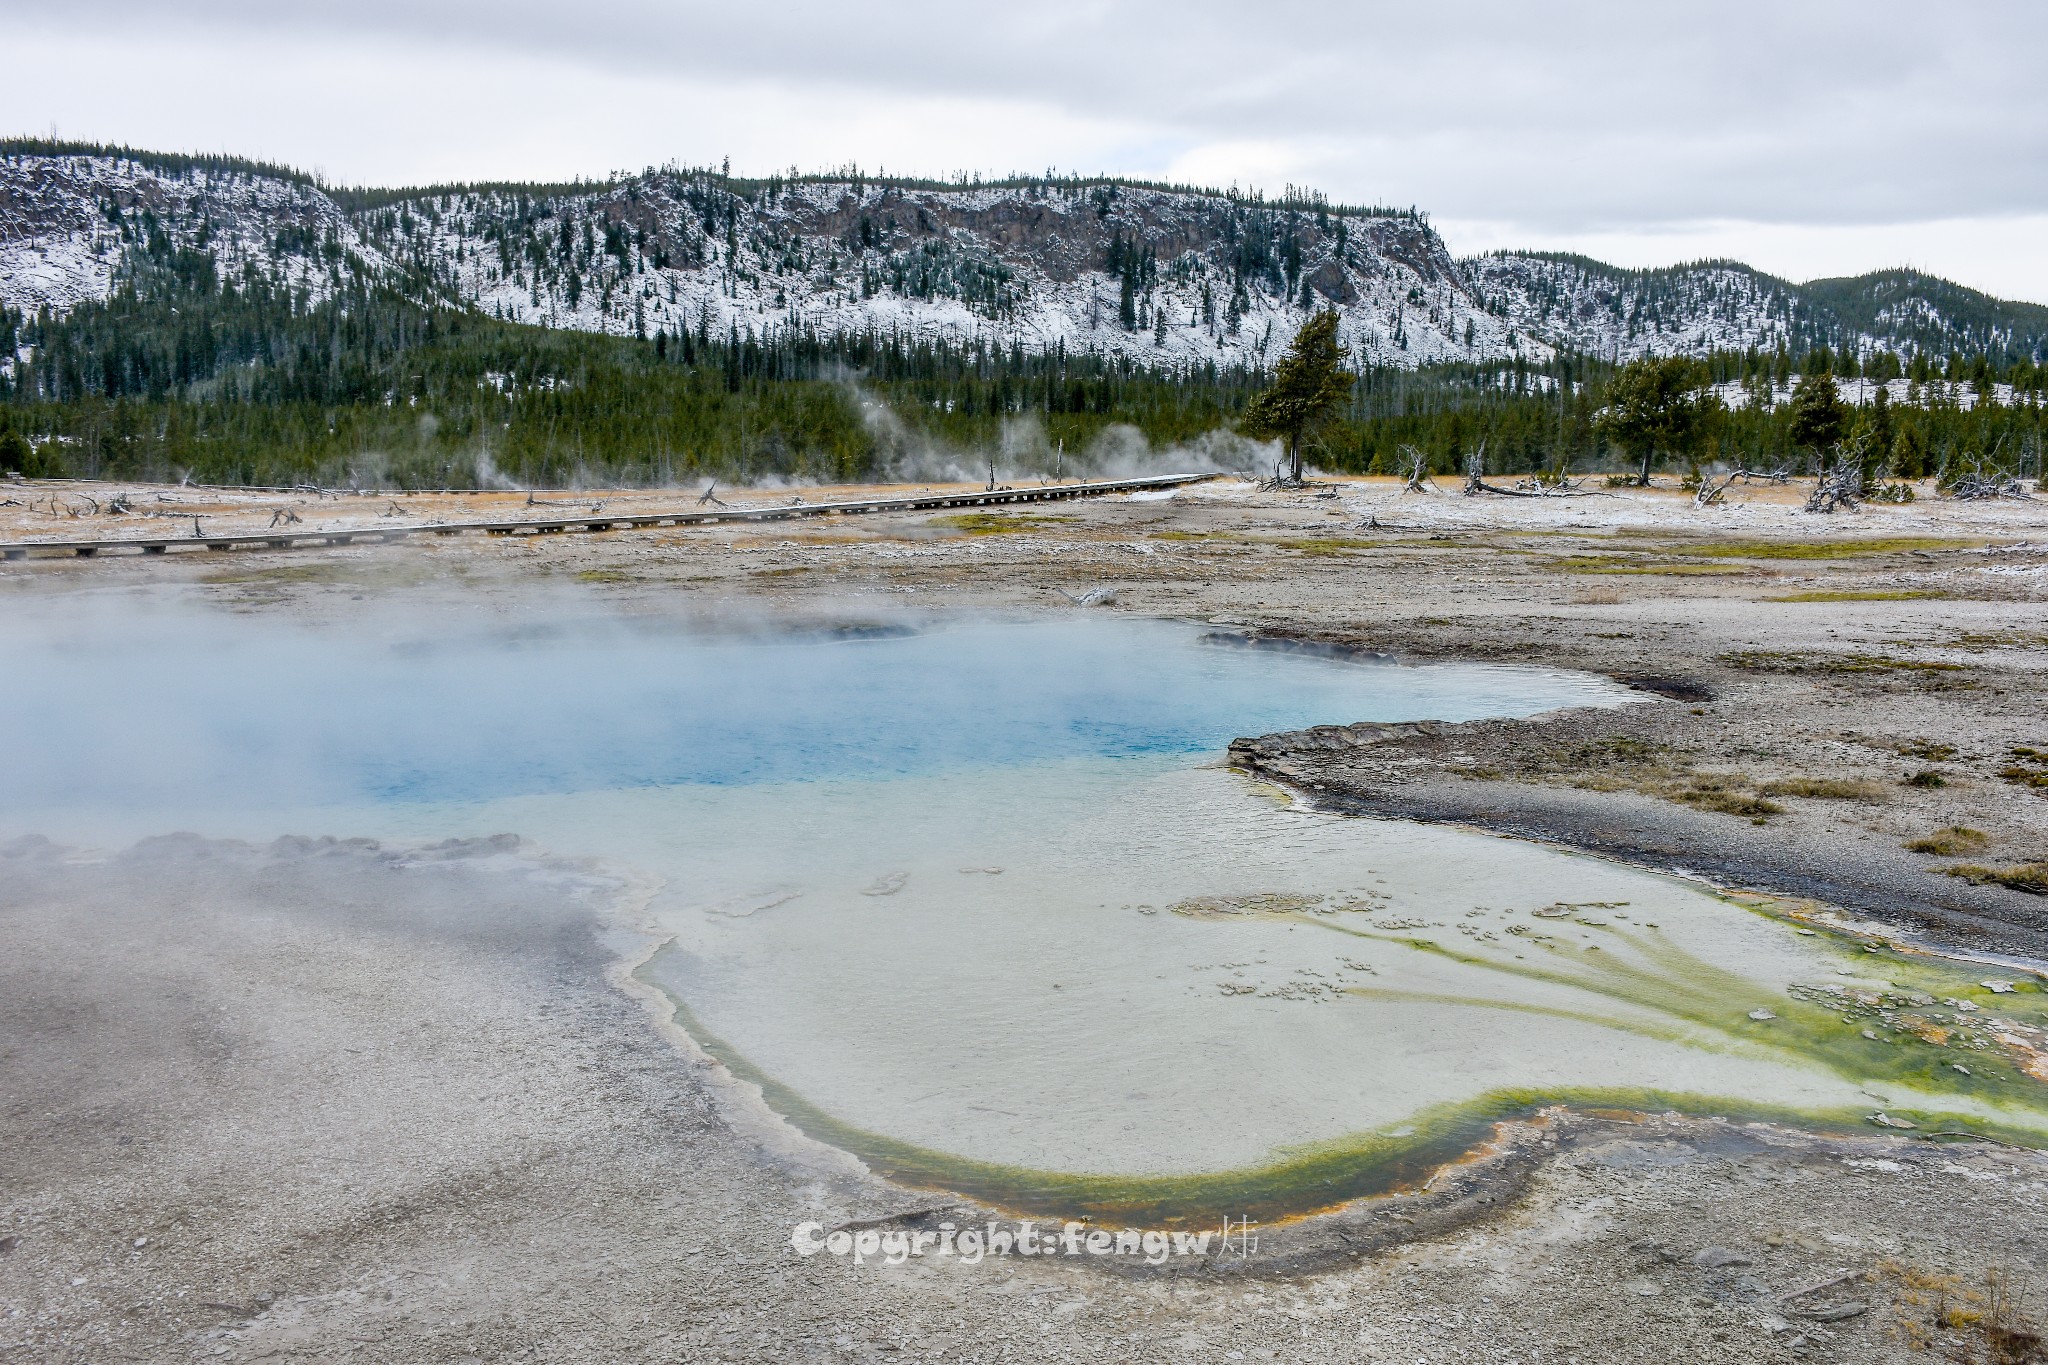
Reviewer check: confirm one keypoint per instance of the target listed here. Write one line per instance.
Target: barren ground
(326, 1102)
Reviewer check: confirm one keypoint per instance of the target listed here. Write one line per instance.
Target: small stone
(141, 1242)
(1714, 1258)
(1958, 1066)
(1762, 1016)
(1884, 1120)
(1997, 987)
(1840, 1312)
(1649, 1289)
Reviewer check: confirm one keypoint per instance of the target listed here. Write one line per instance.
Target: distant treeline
(184, 373)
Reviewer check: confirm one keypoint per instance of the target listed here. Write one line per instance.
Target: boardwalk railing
(286, 538)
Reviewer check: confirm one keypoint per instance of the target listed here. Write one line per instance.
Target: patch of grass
(1929, 750)
(1827, 549)
(1775, 661)
(2031, 878)
(1605, 564)
(1680, 571)
(2017, 639)
(1727, 800)
(1871, 596)
(779, 573)
(2029, 769)
(995, 523)
(1927, 778)
(1951, 841)
(1826, 788)
(1331, 545)
(1941, 1316)
(603, 576)
(1192, 535)
(1603, 756)
(1622, 763)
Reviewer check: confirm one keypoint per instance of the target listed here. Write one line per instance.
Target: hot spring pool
(978, 904)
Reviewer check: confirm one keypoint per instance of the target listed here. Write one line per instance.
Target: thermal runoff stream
(979, 904)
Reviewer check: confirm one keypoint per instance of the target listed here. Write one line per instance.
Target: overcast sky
(1807, 137)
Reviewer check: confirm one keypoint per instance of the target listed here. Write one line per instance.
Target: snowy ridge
(68, 225)
(1161, 276)
(1595, 309)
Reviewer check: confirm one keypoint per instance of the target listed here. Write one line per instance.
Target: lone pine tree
(1308, 384)
(1656, 407)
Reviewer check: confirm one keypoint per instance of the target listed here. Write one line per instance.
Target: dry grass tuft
(2031, 878)
(1726, 794)
(1827, 788)
(1946, 1317)
(2029, 768)
(1951, 841)
(1828, 549)
(1848, 596)
(995, 523)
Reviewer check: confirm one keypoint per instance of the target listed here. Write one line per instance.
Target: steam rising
(1024, 451)
(172, 712)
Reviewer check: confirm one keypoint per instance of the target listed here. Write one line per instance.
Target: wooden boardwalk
(287, 538)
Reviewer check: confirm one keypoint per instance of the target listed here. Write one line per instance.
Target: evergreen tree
(1308, 384)
(15, 455)
(1656, 406)
(1819, 417)
(1880, 433)
(1909, 451)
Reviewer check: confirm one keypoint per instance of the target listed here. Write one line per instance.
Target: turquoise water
(239, 708)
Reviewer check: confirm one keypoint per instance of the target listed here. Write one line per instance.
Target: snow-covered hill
(1161, 276)
(1595, 309)
(69, 223)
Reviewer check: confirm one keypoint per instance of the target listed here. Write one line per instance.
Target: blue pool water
(245, 710)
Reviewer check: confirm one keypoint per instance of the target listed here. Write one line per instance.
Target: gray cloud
(1579, 116)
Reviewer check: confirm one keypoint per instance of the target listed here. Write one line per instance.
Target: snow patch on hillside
(68, 225)
(1162, 278)
(1211, 280)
